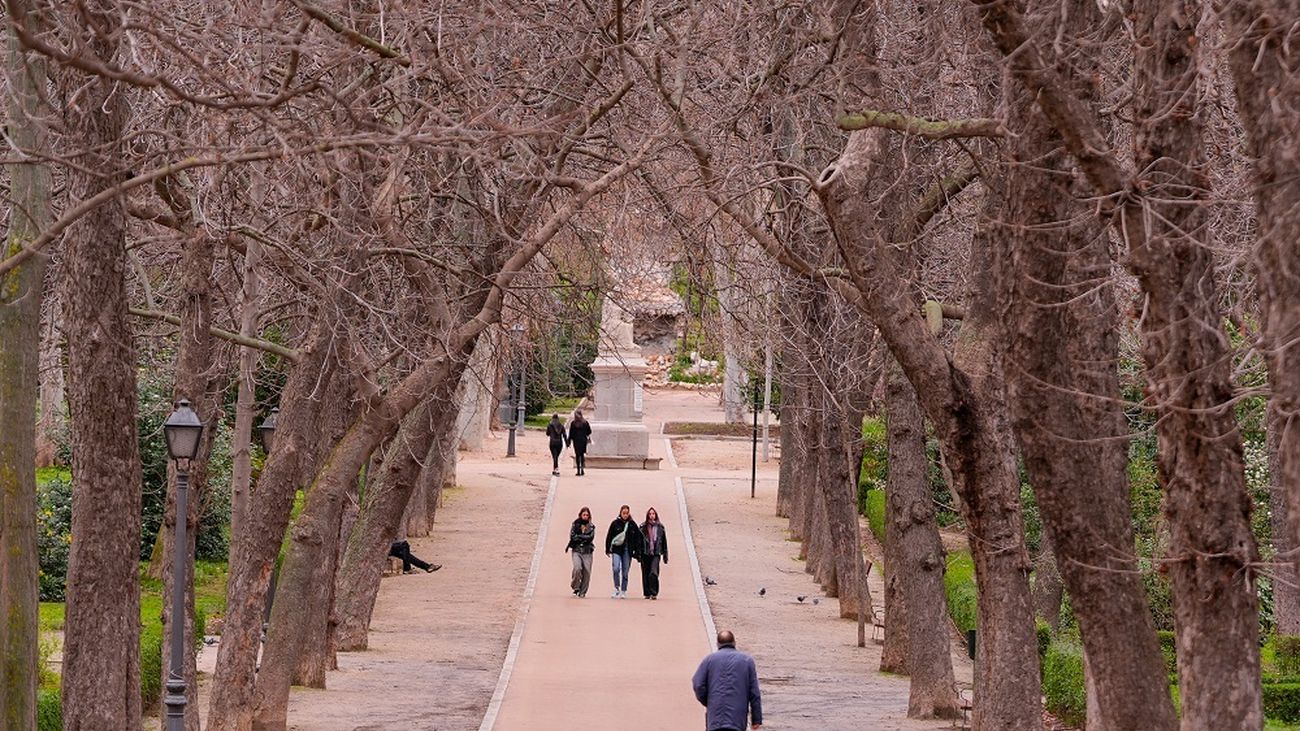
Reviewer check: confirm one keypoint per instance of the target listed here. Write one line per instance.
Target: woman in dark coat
(582, 536)
(622, 542)
(654, 548)
(555, 431)
(579, 436)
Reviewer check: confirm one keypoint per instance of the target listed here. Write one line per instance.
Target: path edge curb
(706, 613)
(512, 651)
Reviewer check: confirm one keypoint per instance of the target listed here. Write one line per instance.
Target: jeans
(622, 566)
(581, 573)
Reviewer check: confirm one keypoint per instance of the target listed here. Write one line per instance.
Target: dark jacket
(579, 432)
(555, 430)
(582, 541)
(727, 685)
(633, 543)
(660, 547)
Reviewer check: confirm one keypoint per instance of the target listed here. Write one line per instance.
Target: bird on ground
(816, 601)
(801, 597)
(708, 581)
(762, 591)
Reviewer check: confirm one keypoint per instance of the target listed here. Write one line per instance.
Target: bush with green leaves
(53, 531)
(1064, 691)
(1281, 701)
(1286, 654)
(960, 590)
(874, 502)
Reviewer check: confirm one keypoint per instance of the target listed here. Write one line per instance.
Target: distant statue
(615, 326)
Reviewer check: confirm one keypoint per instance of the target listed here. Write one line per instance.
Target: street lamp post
(266, 435)
(183, 431)
(516, 428)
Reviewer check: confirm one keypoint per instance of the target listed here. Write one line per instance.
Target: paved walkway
(601, 662)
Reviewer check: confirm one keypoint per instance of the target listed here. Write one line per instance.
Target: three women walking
(625, 542)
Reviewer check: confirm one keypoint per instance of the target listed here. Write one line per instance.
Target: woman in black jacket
(622, 542)
(654, 547)
(582, 535)
(555, 431)
(579, 435)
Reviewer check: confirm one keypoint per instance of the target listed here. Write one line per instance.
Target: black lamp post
(516, 340)
(266, 430)
(266, 435)
(183, 432)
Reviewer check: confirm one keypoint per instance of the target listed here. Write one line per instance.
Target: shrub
(1169, 648)
(875, 509)
(151, 646)
(959, 588)
(54, 531)
(1282, 701)
(49, 710)
(1063, 685)
(1044, 632)
(875, 455)
(1286, 652)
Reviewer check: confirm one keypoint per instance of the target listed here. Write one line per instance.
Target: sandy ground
(438, 640)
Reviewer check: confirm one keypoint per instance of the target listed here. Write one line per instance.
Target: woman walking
(579, 435)
(654, 547)
(621, 544)
(582, 542)
(555, 430)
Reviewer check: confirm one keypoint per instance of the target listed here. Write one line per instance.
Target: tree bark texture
(254, 555)
(1286, 591)
(919, 563)
(1060, 330)
(20, 347)
(1266, 67)
(241, 470)
(1189, 368)
(381, 512)
(101, 652)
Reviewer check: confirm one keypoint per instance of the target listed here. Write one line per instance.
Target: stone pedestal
(618, 438)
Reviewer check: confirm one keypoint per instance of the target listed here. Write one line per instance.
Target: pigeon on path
(801, 597)
(762, 591)
(816, 601)
(708, 581)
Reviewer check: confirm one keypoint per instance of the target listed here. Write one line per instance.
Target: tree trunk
(358, 579)
(241, 469)
(476, 395)
(253, 557)
(919, 562)
(20, 347)
(101, 651)
(1189, 371)
(1266, 69)
(52, 423)
(1286, 591)
(1061, 333)
(1049, 589)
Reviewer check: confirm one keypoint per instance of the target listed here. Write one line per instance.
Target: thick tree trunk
(919, 557)
(1049, 589)
(196, 381)
(475, 394)
(20, 347)
(1189, 369)
(101, 651)
(1286, 590)
(1060, 333)
(52, 422)
(253, 557)
(838, 483)
(358, 580)
(1266, 68)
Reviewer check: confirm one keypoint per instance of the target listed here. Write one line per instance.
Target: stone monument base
(620, 445)
(623, 463)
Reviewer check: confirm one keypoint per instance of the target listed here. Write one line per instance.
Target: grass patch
(716, 429)
(561, 406)
(875, 509)
(959, 587)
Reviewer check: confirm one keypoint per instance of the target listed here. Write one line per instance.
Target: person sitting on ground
(726, 684)
(555, 430)
(402, 550)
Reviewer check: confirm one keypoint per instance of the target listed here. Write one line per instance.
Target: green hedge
(1063, 685)
(1169, 649)
(1282, 701)
(959, 588)
(49, 710)
(875, 509)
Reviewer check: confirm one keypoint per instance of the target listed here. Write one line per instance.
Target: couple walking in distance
(577, 435)
(625, 541)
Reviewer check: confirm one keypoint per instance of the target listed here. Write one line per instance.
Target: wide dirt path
(601, 662)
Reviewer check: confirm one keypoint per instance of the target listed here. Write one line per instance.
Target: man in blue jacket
(727, 685)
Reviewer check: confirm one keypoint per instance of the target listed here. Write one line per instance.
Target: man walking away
(727, 685)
